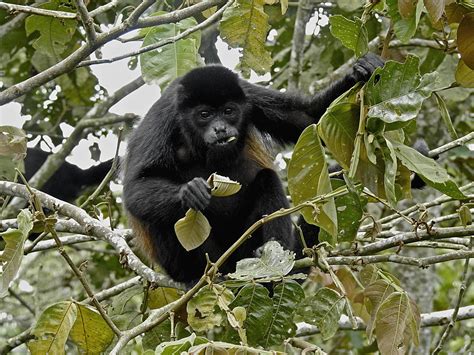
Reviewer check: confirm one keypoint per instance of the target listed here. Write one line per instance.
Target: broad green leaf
(375, 294)
(179, 346)
(433, 59)
(245, 25)
(161, 296)
(274, 262)
(164, 64)
(352, 34)
(13, 142)
(323, 309)
(308, 178)
(54, 34)
(390, 160)
(259, 308)
(397, 324)
(157, 335)
(404, 28)
(222, 186)
(90, 331)
(443, 109)
(286, 296)
(204, 311)
(464, 75)
(435, 9)
(465, 36)
(192, 230)
(52, 328)
(396, 92)
(125, 308)
(431, 172)
(12, 254)
(349, 209)
(338, 129)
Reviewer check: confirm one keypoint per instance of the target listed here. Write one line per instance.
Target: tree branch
(70, 62)
(37, 11)
(94, 227)
(87, 21)
(427, 320)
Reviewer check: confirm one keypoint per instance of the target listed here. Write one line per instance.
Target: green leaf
(259, 308)
(338, 129)
(219, 347)
(54, 34)
(397, 324)
(374, 295)
(286, 296)
(245, 25)
(443, 109)
(164, 64)
(204, 311)
(465, 36)
(431, 172)
(52, 328)
(157, 335)
(274, 262)
(90, 331)
(464, 75)
(179, 346)
(404, 28)
(192, 230)
(222, 186)
(12, 254)
(395, 92)
(323, 309)
(308, 178)
(390, 160)
(12, 142)
(352, 34)
(161, 296)
(349, 210)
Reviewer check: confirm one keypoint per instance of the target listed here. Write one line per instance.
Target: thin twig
(462, 291)
(454, 144)
(84, 282)
(22, 301)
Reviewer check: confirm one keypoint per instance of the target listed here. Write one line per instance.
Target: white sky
(115, 75)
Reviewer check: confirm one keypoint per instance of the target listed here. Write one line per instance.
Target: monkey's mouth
(225, 140)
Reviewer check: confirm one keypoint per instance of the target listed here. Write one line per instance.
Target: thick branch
(128, 258)
(427, 320)
(86, 21)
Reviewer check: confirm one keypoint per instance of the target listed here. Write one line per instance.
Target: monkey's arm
(286, 115)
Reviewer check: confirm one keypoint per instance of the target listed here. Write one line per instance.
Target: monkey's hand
(195, 194)
(365, 66)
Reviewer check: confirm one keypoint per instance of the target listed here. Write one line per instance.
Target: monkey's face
(218, 127)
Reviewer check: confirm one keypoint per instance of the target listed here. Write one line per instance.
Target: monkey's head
(213, 110)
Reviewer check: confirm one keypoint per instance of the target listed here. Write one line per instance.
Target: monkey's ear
(182, 96)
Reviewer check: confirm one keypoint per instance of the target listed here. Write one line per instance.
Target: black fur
(177, 146)
(69, 181)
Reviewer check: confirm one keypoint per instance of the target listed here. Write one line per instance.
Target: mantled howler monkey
(204, 123)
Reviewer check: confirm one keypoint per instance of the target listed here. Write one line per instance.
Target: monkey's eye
(228, 111)
(204, 114)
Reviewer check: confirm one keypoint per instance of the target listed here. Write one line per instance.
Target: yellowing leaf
(52, 328)
(464, 75)
(245, 25)
(192, 230)
(222, 186)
